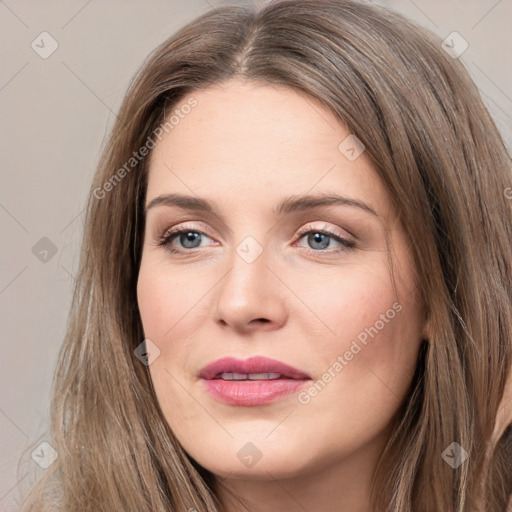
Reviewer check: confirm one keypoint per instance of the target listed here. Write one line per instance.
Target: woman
(295, 285)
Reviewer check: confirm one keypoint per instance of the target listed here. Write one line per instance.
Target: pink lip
(256, 364)
(251, 392)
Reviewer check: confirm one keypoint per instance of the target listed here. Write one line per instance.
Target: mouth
(254, 381)
(248, 376)
(254, 368)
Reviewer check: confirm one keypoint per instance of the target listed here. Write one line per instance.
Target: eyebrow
(288, 205)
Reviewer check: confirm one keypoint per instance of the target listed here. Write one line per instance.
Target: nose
(251, 296)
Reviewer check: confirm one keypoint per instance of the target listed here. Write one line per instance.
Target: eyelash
(168, 236)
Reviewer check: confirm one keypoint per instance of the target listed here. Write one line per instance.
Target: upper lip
(256, 364)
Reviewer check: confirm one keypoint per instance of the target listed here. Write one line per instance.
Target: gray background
(55, 115)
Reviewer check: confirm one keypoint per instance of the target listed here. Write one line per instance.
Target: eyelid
(325, 229)
(182, 227)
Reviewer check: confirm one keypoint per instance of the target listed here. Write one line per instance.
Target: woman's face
(264, 273)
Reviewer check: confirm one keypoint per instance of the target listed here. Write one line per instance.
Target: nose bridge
(250, 250)
(249, 291)
(249, 267)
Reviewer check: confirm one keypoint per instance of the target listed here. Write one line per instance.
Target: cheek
(365, 337)
(173, 306)
(345, 302)
(164, 302)
(155, 298)
(165, 298)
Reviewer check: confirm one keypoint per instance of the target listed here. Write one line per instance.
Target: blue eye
(321, 238)
(190, 240)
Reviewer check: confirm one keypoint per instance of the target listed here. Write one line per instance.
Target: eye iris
(190, 236)
(317, 237)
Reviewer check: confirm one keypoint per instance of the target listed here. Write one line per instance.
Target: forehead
(258, 143)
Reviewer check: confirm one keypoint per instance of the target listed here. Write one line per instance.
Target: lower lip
(252, 392)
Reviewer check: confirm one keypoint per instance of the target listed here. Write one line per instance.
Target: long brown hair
(446, 169)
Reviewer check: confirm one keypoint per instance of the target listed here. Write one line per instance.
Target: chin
(263, 471)
(255, 461)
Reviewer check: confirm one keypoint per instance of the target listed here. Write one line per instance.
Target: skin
(246, 146)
